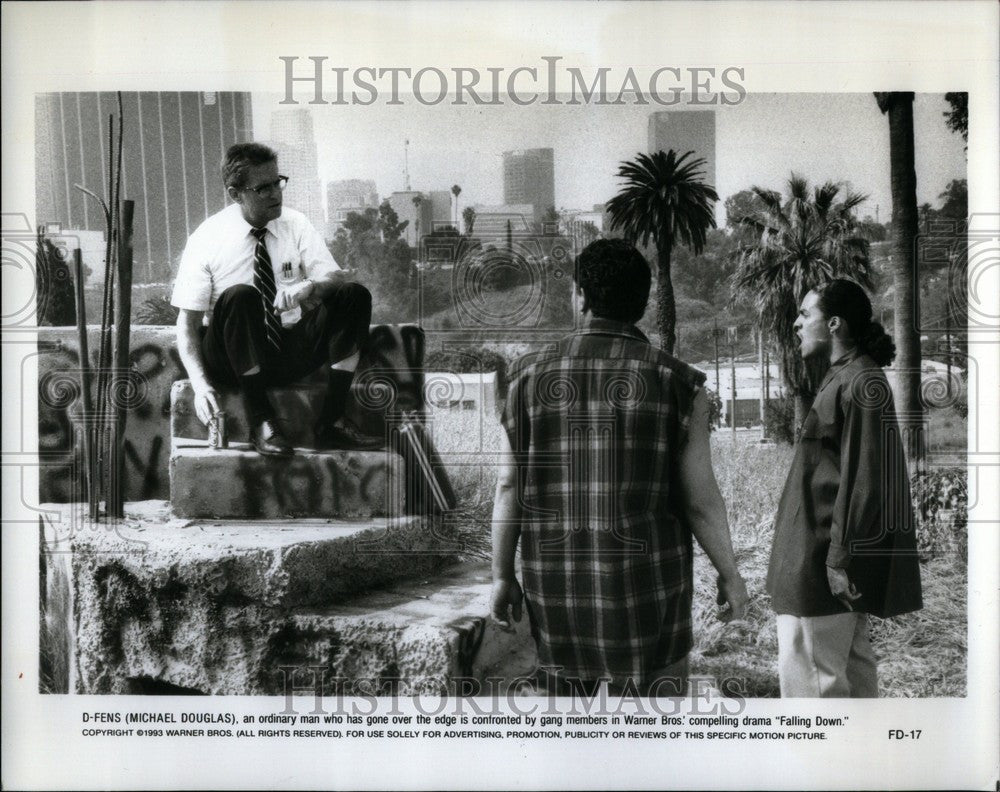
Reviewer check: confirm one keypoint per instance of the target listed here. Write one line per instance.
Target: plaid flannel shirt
(596, 426)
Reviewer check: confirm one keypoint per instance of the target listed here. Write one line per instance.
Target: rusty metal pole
(123, 326)
(85, 380)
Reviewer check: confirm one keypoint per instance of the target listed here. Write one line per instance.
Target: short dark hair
(240, 158)
(615, 279)
(846, 299)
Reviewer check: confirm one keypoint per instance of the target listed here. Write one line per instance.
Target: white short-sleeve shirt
(220, 254)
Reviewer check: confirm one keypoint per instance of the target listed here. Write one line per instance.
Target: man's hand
(732, 598)
(206, 403)
(841, 586)
(506, 595)
(293, 296)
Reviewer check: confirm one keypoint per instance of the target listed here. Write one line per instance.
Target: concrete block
(297, 409)
(394, 354)
(419, 636)
(240, 483)
(161, 604)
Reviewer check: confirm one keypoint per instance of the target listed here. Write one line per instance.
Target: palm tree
(456, 191)
(469, 218)
(664, 199)
(899, 107)
(789, 247)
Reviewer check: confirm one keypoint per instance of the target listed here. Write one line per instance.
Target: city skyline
(840, 137)
(174, 144)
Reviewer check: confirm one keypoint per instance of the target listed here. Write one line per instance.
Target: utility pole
(732, 368)
(767, 374)
(715, 335)
(763, 376)
(947, 323)
(406, 164)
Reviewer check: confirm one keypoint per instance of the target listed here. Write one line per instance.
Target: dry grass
(920, 655)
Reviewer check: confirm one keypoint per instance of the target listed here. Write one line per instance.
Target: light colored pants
(826, 657)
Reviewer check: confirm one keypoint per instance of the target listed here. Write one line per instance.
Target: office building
(684, 131)
(529, 178)
(173, 148)
(293, 138)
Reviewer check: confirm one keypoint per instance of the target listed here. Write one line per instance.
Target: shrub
(714, 409)
(156, 311)
(465, 360)
(779, 420)
(941, 502)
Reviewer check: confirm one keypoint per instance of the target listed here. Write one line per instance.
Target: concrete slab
(426, 636)
(240, 483)
(222, 607)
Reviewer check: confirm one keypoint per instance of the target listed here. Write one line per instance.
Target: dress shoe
(346, 436)
(268, 440)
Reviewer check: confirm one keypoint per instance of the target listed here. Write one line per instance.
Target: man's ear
(835, 324)
(581, 298)
(234, 194)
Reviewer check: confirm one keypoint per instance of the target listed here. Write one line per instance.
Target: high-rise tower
(293, 138)
(529, 178)
(173, 148)
(684, 131)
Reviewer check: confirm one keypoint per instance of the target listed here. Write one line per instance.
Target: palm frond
(800, 241)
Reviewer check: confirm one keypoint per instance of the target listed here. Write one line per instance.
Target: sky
(842, 137)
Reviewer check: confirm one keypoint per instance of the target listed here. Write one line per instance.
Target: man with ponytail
(844, 542)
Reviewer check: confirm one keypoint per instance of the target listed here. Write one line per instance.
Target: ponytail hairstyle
(846, 299)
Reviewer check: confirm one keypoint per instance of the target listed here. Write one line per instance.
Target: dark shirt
(596, 425)
(846, 503)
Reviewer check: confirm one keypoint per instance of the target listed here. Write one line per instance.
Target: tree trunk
(904, 270)
(803, 403)
(666, 309)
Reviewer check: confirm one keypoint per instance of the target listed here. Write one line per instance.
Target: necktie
(263, 281)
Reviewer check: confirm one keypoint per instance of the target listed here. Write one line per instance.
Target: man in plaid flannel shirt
(611, 476)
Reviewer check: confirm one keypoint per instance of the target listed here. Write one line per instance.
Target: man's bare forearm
(189, 348)
(704, 508)
(710, 527)
(506, 526)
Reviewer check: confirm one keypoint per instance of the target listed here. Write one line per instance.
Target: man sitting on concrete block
(262, 303)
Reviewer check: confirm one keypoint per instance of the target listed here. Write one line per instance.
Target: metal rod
(123, 324)
(88, 407)
(107, 309)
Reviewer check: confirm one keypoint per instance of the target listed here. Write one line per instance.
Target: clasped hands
(289, 297)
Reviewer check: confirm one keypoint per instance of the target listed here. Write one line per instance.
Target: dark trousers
(669, 681)
(235, 342)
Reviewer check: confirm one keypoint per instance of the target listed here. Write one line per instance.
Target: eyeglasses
(264, 189)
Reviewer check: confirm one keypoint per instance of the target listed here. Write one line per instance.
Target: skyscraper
(173, 148)
(292, 137)
(684, 131)
(529, 178)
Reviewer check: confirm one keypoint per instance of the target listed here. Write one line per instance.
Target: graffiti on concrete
(393, 354)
